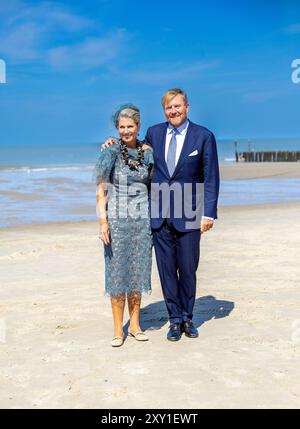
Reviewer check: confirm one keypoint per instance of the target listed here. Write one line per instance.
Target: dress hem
(126, 293)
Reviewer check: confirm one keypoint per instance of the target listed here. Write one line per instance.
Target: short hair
(126, 111)
(171, 93)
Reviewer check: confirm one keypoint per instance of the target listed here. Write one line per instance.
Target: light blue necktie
(171, 155)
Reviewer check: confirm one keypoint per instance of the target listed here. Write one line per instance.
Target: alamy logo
(296, 73)
(296, 331)
(177, 201)
(2, 71)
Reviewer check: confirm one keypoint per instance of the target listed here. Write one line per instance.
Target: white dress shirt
(180, 137)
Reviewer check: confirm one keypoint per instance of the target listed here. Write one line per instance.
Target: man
(185, 154)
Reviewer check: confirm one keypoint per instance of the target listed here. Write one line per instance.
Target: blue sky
(70, 64)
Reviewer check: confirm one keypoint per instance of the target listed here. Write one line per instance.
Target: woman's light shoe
(117, 341)
(139, 336)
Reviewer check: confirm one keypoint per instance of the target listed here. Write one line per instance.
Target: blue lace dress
(128, 257)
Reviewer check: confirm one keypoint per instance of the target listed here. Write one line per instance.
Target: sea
(42, 183)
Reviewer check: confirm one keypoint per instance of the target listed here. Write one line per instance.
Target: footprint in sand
(22, 255)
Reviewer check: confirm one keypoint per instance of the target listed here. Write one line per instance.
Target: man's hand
(109, 141)
(206, 224)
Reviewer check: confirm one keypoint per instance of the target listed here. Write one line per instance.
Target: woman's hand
(109, 141)
(104, 233)
(146, 146)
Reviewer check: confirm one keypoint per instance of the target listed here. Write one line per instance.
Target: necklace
(133, 164)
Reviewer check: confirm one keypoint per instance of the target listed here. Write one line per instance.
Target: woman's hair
(126, 111)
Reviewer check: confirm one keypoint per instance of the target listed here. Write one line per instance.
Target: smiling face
(176, 110)
(128, 130)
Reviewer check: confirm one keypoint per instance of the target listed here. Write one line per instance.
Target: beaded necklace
(133, 164)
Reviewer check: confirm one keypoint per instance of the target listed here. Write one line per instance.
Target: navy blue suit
(176, 234)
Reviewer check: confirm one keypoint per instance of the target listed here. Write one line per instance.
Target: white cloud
(91, 53)
(27, 31)
(68, 21)
(8, 7)
(293, 28)
(261, 96)
(22, 42)
(49, 15)
(30, 34)
(164, 73)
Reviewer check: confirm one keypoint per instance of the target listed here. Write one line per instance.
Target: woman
(123, 176)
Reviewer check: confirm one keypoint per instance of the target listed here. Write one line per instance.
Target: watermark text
(296, 73)
(2, 71)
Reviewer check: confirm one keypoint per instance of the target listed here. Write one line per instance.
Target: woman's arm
(103, 169)
(101, 210)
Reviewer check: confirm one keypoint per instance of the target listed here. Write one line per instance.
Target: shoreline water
(247, 208)
(67, 193)
(226, 209)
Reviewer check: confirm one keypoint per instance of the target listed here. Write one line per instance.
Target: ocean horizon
(58, 154)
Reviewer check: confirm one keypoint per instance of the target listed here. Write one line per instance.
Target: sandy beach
(260, 170)
(56, 324)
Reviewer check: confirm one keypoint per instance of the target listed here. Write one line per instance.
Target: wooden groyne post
(266, 155)
(270, 156)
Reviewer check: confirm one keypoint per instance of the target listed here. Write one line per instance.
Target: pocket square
(194, 153)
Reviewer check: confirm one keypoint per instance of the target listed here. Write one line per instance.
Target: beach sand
(56, 324)
(260, 170)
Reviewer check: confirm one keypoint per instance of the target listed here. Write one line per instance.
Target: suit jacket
(196, 176)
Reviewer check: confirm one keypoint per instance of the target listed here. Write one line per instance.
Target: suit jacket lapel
(162, 146)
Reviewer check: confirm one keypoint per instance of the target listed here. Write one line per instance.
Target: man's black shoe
(174, 333)
(189, 329)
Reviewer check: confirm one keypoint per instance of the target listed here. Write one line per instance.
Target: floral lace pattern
(128, 257)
